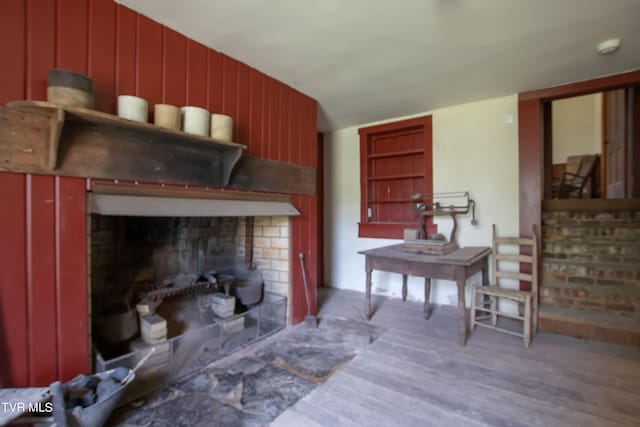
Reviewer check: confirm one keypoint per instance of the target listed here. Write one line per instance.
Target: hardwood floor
(416, 374)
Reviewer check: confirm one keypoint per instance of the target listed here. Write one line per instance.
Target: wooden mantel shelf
(42, 138)
(38, 137)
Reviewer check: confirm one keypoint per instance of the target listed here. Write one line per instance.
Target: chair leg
(494, 310)
(472, 315)
(527, 321)
(534, 314)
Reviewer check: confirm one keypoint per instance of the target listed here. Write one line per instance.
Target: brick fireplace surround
(43, 249)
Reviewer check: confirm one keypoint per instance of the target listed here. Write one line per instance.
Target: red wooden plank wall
(43, 269)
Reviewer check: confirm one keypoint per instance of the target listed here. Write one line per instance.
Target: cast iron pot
(249, 293)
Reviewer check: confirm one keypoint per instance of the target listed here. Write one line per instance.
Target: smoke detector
(609, 46)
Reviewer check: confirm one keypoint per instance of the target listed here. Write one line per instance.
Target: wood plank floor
(416, 374)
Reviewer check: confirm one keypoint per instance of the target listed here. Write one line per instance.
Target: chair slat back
(500, 259)
(573, 163)
(514, 275)
(587, 165)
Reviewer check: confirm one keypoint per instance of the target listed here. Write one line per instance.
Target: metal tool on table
(309, 320)
(437, 204)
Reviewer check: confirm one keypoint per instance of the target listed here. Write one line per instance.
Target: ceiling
(368, 60)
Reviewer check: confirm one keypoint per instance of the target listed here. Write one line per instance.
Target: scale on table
(437, 204)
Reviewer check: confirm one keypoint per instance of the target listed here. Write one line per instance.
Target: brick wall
(271, 251)
(591, 260)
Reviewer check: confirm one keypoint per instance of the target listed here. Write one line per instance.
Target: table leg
(404, 287)
(486, 299)
(367, 304)
(485, 273)
(462, 328)
(427, 297)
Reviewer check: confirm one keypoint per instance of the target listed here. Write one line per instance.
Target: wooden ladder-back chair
(572, 185)
(490, 295)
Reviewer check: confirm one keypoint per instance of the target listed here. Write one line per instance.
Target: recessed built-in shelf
(389, 200)
(395, 176)
(396, 154)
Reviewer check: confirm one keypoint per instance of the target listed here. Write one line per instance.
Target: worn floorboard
(416, 373)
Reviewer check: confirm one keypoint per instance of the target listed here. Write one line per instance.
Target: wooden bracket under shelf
(55, 129)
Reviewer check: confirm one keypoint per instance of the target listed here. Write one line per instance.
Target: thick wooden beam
(617, 81)
(128, 189)
(55, 128)
(253, 173)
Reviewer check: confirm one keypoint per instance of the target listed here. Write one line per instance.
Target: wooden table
(457, 266)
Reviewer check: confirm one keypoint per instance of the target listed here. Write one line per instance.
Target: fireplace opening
(192, 288)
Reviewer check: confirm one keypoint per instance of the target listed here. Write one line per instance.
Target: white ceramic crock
(195, 120)
(133, 108)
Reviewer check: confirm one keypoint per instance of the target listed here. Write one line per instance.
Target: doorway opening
(594, 145)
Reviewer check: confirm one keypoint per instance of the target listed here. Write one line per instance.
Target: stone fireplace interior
(184, 274)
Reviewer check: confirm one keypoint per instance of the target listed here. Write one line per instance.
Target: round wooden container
(68, 88)
(221, 127)
(167, 116)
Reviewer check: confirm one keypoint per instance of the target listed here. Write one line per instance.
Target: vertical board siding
(285, 128)
(273, 150)
(102, 53)
(230, 90)
(148, 60)
(244, 102)
(174, 62)
(41, 46)
(14, 348)
(214, 80)
(13, 46)
(126, 42)
(41, 275)
(71, 277)
(72, 35)
(196, 74)
(256, 113)
(43, 269)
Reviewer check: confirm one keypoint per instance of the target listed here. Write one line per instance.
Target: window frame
(388, 229)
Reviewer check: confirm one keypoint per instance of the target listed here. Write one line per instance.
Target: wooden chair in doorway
(507, 265)
(573, 185)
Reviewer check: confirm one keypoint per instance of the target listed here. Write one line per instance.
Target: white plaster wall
(474, 149)
(577, 126)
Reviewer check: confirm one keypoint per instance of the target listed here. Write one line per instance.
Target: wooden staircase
(590, 282)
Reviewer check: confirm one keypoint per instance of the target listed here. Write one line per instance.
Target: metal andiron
(437, 204)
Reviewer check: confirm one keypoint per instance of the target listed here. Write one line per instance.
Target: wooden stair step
(595, 289)
(598, 326)
(607, 299)
(594, 265)
(595, 261)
